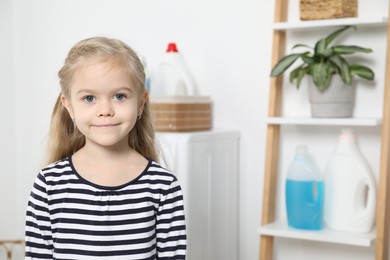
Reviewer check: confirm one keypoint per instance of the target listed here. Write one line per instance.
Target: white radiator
(206, 164)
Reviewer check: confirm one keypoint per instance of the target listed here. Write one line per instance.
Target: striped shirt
(71, 218)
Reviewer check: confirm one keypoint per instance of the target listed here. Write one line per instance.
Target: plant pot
(337, 100)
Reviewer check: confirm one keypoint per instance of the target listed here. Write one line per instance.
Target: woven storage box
(327, 9)
(181, 113)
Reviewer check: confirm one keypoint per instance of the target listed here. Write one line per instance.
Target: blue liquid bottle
(304, 193)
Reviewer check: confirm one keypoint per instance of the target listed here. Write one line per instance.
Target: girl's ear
(144, 98)
(66, 103)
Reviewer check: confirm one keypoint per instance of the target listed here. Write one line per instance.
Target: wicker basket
(327, 9)
(181, 113)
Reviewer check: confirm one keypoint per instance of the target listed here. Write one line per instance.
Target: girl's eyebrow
(114, 90)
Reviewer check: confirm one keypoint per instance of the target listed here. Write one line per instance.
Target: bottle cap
(346, 135)
(301, 150)
(172, 47)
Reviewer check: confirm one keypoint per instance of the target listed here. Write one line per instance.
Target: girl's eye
(89, 99)
(120, 97)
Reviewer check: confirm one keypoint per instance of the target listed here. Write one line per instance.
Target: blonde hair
(64, 138)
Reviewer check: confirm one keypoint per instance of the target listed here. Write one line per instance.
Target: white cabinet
(206, 165)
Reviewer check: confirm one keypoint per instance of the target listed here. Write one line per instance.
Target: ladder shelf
(269, 228)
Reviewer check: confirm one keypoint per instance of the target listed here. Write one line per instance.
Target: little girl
(103, 196)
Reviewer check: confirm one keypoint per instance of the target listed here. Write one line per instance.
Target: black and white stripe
(71, 218)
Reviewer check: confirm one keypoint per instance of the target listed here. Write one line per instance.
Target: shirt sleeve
(170, 227)
(38, 236)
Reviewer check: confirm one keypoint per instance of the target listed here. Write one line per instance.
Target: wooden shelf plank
(324, 121)
(304, 25)
(281, 229)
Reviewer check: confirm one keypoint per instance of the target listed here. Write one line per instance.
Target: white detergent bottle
(173, 77)
(350, 188)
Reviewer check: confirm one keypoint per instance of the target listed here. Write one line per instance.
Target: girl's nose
(105, 109)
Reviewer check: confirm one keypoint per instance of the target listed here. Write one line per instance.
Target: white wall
(226, 43)
(8, 196)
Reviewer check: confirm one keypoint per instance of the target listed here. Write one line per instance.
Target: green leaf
(335, 34)
(284, 64)
(345, 72)
(297, 74)
(327, 52)
(301, 45)
(294, 74)
(362, 71)
(322, 50)
(301, 74)
(320, 46)
(321, 75)
(308, 59)
(345, 49)
(335, 67)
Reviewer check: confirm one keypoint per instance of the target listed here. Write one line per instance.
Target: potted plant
(328, 98)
